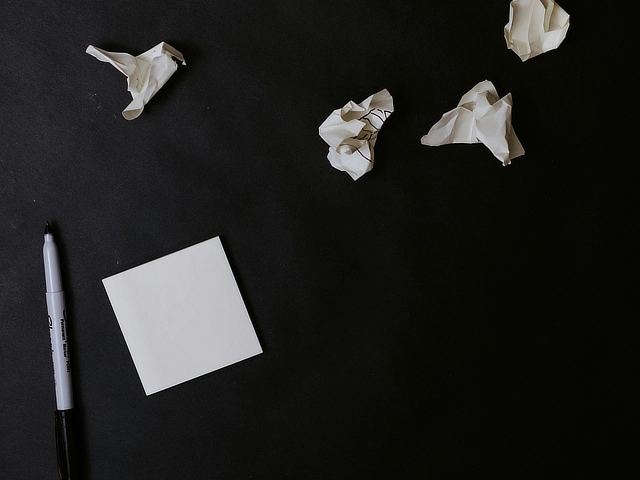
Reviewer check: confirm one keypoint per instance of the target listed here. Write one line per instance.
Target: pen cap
(51, 264)
(65, 441)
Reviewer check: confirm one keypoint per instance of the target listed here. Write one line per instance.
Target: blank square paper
(182, 316)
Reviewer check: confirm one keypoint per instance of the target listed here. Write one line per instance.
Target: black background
(441, 317)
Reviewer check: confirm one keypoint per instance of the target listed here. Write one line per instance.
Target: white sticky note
(182, 316)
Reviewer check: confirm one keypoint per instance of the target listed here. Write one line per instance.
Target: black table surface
(441, 317)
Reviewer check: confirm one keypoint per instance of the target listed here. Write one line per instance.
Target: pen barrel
(60, 349)
(52, 275)
(65, 444)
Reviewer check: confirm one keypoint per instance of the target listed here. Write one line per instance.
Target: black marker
(60, 354)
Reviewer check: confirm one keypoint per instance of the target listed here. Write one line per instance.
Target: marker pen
(61, 361)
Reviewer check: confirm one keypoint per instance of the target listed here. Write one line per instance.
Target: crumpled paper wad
(535, 27)
(480, 117)
(351, 133)
(146, 73)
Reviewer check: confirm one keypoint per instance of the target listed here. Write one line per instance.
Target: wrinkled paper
(535, 27)
(351, 133)
(146, 73)
(480, 117)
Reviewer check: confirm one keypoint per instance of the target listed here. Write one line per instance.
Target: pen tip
(47, 228)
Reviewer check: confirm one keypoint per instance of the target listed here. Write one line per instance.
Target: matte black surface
(441, 317)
